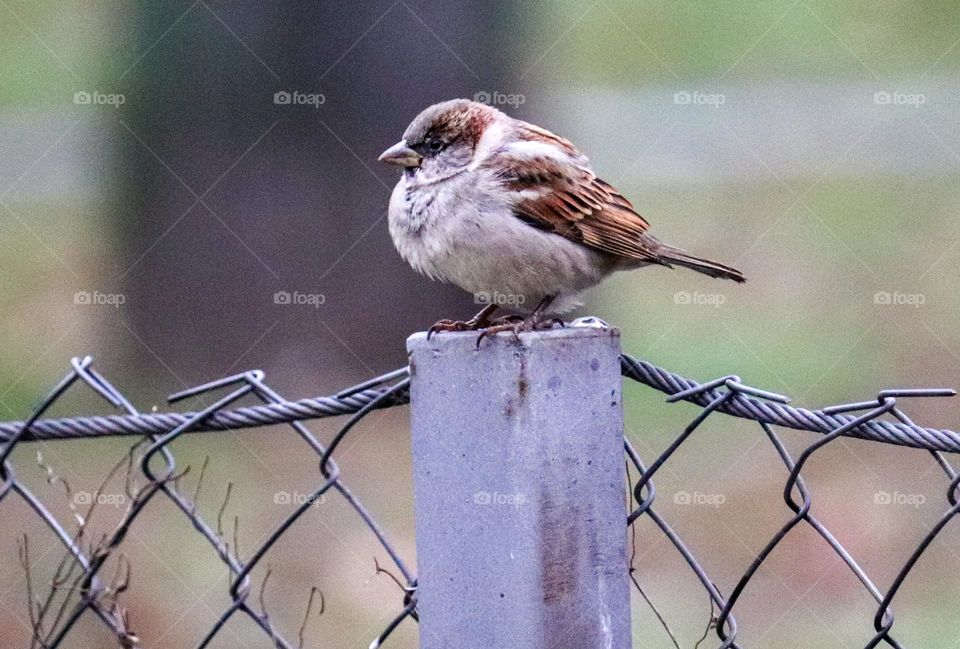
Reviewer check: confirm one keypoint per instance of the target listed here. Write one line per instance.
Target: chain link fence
(81, 588)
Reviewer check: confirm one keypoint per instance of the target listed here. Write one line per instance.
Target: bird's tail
(670, 256)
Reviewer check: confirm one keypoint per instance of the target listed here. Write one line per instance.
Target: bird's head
(442, 140)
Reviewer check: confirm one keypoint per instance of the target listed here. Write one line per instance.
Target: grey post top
(519, 490)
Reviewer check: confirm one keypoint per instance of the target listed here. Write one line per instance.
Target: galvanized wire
(353, 399)
(728, 395)
(776, 411)
(100, 598)
(283, 412)
(880, 420)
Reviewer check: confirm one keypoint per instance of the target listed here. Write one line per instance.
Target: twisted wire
(164, 422)
(767, 412)
(352, 400)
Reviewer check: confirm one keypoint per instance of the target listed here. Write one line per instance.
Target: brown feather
(573, 202)
(528, 132)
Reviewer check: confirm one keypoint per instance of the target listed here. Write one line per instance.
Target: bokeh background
(813, 144)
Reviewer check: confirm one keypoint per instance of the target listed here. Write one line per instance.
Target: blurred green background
(812, 144)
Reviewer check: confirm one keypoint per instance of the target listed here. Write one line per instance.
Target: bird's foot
(518, 325)
(452, 325)
(507, 320)
(478, 321)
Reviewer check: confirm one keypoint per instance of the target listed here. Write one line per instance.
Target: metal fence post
(519, 491)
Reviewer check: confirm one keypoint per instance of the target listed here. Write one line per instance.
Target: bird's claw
(507, 320)
(517, 325)
(451, 325)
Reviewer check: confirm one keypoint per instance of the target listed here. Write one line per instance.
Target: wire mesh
(152, 462)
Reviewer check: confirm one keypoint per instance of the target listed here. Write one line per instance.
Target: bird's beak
(401, 155)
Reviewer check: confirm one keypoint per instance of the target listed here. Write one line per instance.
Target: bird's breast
(458, 232)
(416, 227)
(416, 210)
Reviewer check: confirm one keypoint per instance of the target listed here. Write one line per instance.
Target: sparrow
(514, 214)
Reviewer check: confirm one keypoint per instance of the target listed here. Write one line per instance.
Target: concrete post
(519, 486)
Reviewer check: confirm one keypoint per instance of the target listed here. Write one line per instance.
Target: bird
(514, 214)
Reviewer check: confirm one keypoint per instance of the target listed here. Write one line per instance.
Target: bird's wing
(556, 191)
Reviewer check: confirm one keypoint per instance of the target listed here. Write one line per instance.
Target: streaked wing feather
(562, 195)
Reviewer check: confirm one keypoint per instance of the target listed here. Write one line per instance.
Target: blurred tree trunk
(292, 198)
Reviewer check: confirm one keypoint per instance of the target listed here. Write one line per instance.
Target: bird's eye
(435, 144)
